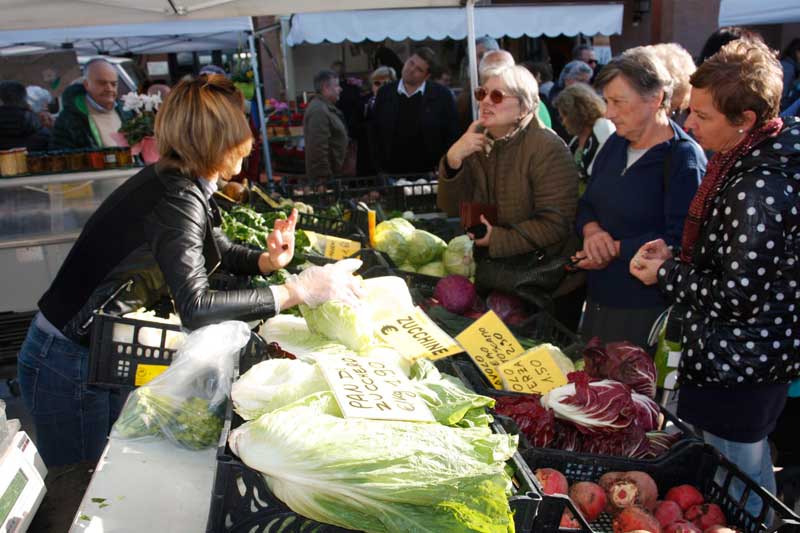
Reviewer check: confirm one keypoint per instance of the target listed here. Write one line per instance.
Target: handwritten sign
(366, 388)
(415, 335)
(338, 248)
(490, 344)
(147, 373)
(535, 372)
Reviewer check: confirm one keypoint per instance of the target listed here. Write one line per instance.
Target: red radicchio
(623, 362)
(534, 421)
(646, 412)
(658, 443)
(597, 407)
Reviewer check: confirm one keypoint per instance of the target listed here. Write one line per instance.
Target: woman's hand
(645, 264)
(582, 262)
(280, 245)
(472, 141)
(483, 241)
(599, 246)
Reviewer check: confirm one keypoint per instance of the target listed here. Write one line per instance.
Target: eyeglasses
(592, 62)
(495, 95)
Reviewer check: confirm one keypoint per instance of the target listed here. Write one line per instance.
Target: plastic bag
(186, 404)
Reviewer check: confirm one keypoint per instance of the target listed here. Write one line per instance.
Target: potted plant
(138, 131)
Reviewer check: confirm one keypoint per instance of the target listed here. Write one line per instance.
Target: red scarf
(717, 171)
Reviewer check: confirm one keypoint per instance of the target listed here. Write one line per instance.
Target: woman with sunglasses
(640, 187)
(507, 158)
(156, 237)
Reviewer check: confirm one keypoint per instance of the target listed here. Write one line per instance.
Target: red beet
(589, 497)
(608, 479)
(568, 521)
(682, 526)
(706, 515)
(553, 481)
(685, 496)
(635, 519)
(622, 494)
(667, 512)
(648, 490)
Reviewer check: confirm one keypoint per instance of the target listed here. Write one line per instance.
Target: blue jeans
(72, 419)
(754, 459)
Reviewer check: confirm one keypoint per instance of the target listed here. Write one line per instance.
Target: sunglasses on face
(494, 95)
(592, 62)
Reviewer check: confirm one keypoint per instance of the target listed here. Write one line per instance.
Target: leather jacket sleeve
(236, 259)
(178, 228)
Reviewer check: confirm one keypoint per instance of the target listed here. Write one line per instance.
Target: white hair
(518, 81)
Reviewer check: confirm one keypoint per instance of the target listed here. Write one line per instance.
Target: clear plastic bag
(186, 404)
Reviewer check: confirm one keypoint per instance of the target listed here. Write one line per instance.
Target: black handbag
(532, 276)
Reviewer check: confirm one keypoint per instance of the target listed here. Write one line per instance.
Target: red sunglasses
(494, 95)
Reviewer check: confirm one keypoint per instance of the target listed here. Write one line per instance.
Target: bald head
(101, 82)
(494, 59)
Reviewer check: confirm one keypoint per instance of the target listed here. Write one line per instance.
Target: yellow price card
(338, 248)
(147, 373)
(490, 344)
(415, 335)
(535, 372)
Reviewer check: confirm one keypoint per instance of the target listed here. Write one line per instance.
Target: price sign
(147, 373)
(338, 248)
(490, 344)
(366, 388)
(415, 335)
(535, 372)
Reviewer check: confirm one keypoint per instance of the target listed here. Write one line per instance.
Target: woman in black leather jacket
(736, 276)
(157, 235)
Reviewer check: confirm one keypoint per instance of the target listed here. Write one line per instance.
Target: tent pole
(473, 56)
(288, 63)
(262, 120)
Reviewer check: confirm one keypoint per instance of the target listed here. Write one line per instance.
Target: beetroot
(455, 293)
(609, 478)
(635, 519)
(553, 481)
(685, 496)
(667, 512)
(706, 515)
(648, 490)
(623, 493)
(589, 497)
(568, 521)
(633, 488)
(682, 526)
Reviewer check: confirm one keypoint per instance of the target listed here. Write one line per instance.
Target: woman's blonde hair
(383, 72)
(520, 83)
(580, 106)
(680, 65)
(201, 128)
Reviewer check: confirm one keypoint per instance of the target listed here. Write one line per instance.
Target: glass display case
(40, 219)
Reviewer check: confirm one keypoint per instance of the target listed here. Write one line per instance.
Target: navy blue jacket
(638, 205)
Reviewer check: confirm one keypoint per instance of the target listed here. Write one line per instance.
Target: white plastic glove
(335, 281)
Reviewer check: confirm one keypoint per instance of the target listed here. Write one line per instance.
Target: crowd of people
(664, 184)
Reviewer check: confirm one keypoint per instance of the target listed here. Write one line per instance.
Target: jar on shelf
(58, 161)
(124, 157)
(8, 163)
(96, 159)
(38, 163)
(76, 160)
(110, 157)
(21, 158)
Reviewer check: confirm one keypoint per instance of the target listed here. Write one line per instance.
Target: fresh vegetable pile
(631, 498)
(607, 409)
(246, 226)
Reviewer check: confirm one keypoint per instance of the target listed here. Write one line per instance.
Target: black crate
(699, 464)
(382, 190)
(335, 227)
(300, 189)
(113, 363)
(242, 502)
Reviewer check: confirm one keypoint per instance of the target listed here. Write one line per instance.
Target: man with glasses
(414, 119)
(585, 53)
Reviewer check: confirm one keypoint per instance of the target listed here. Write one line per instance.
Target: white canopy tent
(159, 37)
(419, 24)
(747, 12)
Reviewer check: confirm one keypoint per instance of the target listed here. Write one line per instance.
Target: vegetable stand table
(148, 486)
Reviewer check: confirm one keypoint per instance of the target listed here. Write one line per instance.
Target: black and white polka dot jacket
(742, 293)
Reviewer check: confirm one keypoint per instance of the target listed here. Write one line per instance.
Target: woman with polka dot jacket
(736, 274)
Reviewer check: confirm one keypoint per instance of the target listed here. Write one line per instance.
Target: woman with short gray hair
(641, 184)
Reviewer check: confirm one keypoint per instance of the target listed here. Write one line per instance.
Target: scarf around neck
(717, 172)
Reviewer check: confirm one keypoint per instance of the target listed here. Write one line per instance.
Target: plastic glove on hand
(335, 281)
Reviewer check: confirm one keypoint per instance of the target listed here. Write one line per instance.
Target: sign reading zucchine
(415, 335)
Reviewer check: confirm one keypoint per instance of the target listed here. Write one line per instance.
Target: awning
(748, 12)
(437, 24)
(34, 14)
(160, 37)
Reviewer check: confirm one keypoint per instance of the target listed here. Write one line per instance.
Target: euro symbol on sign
(388, 329)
